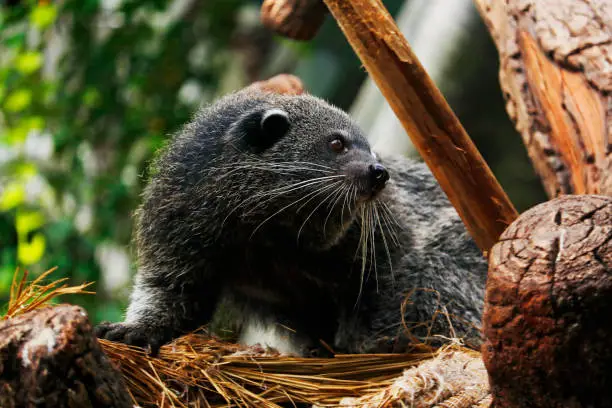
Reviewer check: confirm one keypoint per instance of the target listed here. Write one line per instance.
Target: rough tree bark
(548, 304)
(556, 75)
(50, 357)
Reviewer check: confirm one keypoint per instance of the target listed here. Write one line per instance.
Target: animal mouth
(368, 195)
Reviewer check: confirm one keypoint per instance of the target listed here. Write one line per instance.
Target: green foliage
(101, 84)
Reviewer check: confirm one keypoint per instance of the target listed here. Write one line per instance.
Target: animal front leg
(157, 314)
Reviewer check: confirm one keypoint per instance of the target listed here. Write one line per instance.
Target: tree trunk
(50, 357)
(556, 75)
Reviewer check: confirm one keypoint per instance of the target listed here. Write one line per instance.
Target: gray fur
(205, 257)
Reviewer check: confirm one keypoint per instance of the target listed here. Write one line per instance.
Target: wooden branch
(50, 357)
(296, 19)
(548, 302)
(555, 74)
(434, 129)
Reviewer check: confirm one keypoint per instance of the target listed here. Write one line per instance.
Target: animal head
(265, 165)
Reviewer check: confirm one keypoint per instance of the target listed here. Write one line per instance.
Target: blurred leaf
(29, 62)
(43, 15)
(31, 252)
(25, 170)
(6, 277)
(28, 221)
(59, 231)
(91, 97)
(12, 196)
(18, 100)
(15, 40)
(33, 122)
(19, 133)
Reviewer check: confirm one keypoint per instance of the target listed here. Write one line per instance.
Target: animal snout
(378, 176)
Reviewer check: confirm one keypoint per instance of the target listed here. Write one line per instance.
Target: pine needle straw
(26, 296)
(199, 370)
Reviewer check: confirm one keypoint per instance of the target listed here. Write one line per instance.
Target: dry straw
(198, 370)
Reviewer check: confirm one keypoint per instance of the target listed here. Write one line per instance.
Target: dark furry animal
(270, 216)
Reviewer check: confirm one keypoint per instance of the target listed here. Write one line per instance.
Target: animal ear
(260, 130)
(274, 124)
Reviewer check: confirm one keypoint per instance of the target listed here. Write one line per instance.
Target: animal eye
(337, 145)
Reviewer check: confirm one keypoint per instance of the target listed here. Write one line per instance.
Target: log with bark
(548, 305)
(550, 276)
(556, 76)
(50, 357)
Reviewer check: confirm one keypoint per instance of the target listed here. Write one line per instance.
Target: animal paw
(151, 338)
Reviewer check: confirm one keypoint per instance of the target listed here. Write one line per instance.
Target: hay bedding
(198, 370)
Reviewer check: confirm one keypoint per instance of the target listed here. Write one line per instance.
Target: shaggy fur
(231, 233)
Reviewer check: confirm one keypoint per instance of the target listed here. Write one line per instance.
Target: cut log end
(50, 357)
(295, 19)
(548, 303)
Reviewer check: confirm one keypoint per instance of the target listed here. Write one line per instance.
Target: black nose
(378, 176)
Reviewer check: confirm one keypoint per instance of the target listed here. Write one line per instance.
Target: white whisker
(339, 193)
(316, 192)
(384, 238)
(269, 195)
(315, 209)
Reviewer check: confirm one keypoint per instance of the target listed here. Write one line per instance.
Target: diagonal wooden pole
(434, 129)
